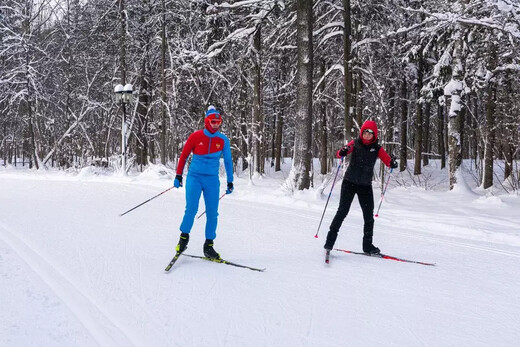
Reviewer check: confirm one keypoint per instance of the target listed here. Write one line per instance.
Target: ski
(327, 255)
(174, 259)
(222, 261)
(384, 256)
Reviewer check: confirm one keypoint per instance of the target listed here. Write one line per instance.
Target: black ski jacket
(362, 161)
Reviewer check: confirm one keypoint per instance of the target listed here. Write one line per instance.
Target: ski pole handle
(141, 204)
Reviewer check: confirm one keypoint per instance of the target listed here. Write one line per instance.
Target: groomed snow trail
(104, 274)
(95, 320)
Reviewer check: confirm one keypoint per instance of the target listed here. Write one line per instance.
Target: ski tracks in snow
(438, 239)
(406, 232)
(105, 330)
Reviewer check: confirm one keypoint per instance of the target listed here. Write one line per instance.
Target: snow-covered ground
(74, 273)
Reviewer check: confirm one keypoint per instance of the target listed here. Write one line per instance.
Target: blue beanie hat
(212, 111)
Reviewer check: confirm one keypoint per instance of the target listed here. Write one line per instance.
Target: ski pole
(383, 194)
(202, 214)
(334, 182)
(122, 214)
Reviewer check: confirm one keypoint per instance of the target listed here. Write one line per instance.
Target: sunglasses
(215, 121)
(370, 131)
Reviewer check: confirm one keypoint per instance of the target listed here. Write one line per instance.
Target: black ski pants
(366, 201)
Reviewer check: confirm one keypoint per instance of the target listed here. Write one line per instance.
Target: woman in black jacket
(364, 152)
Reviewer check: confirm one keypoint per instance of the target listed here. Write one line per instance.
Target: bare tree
(403, 131)
(454, 91)
(301, 168)
(258, 119)
(419, 115)
(347, 66)
(163, 85)
(490, 123)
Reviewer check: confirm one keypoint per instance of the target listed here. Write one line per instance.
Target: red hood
(208, 126)
(208, 119)
(369, 124)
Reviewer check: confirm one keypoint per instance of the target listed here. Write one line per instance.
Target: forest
(292, 79)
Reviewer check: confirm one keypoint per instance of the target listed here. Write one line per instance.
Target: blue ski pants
(209, 185)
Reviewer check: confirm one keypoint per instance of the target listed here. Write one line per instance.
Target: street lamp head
(118, 90)
(127, 93)
(124, 94)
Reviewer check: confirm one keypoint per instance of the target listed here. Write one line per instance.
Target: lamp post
(123, 96)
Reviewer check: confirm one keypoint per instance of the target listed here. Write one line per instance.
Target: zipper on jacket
(209, 146)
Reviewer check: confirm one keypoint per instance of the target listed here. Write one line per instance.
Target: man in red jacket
(207, 146)
(364, 152)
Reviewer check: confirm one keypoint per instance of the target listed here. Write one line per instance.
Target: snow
(455, 106)
(328, 36)
(74, 273)
(452, 87)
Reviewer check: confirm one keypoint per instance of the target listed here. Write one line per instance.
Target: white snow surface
(75, 273)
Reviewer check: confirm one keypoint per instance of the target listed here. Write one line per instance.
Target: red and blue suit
(207, 147)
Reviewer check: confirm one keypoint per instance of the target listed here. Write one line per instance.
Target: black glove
(177, 182)
(230, 188)
(344, 150)
(393, 163)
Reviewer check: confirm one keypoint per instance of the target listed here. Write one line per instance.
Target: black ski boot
(209, 251)
(183, 242)
(371, 249)
(368, 246)
(331, 239)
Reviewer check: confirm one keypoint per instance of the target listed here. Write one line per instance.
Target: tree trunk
(490, 138)
(455, 106)
(322, 125)
(347, 37)
(278, 143)
(122, 40)
(454, 148)
(4, 137)
(301, 168)
(358, 103)
(441, 134)
(508, 139)
(283, 72)
(32, 150)
(419, 119)
(141, 137)
(273, 136)
(462, 120)
(164, 122)
(258, 122)
(244, 136)
(474, 127)
(391, 121)
(122, 58)
(490, 124)
(426, 140)
(403, 152)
